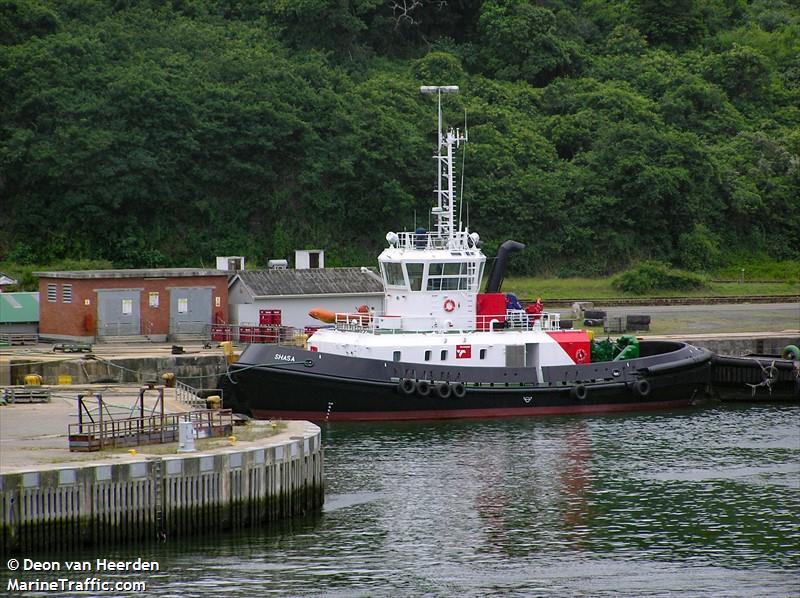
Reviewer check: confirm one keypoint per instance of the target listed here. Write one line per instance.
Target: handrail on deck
(511, 319)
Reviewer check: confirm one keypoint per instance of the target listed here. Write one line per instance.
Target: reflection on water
(700, 503)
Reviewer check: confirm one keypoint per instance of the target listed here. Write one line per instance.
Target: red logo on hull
(463, 351)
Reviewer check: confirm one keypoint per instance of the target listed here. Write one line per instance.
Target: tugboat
(442, 349)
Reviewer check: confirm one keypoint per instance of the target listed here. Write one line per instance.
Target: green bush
(656, 276)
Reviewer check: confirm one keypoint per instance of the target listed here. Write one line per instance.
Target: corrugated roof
(5, 279)
(19, 307)
(313, 281)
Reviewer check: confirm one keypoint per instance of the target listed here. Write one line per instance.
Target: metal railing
(409, 240)
(190, 395)
(512, 319)
(135, 431)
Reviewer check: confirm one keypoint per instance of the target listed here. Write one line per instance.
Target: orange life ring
(449, 305)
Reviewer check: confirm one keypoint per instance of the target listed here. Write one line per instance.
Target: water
(704, 502)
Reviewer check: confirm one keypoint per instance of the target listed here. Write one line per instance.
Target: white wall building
(296, 292)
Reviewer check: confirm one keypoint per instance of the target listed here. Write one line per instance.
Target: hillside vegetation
(602, 132)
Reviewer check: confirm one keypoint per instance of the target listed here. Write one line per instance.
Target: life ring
(641, 388)
(580, 356)
(443, 390)
(423, 388)
(407, 386)
(459, 390)
(449, 305)
(579, 392)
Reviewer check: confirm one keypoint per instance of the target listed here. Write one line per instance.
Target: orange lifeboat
(323, 315)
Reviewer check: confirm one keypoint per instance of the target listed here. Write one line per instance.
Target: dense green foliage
(650, 276)
(602, 132)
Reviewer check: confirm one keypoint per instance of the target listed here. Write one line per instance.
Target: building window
(52, 293)
(396, 356)
(444, 354)
(483, 353)
(427, 355)
(66, 293)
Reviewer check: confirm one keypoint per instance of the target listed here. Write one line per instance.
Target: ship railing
(510, 319)
(460, 240)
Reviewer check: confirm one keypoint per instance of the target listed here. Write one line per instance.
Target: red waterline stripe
(465, 413)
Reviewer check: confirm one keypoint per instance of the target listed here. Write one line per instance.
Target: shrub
(656, 276)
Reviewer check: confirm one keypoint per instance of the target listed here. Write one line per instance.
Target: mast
(444, 210)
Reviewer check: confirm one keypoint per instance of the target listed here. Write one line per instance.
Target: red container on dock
(269, 317)
(220, 333)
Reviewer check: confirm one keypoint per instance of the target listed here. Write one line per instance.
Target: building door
(118, 313)
(189, 310)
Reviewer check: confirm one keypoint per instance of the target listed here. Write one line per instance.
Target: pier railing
(189, 395)
(154, 429)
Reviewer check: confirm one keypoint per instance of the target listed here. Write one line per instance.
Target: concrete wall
(745, 346)
(199, 371)
(161, 498)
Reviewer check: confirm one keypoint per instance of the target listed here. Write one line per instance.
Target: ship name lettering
(281, 357)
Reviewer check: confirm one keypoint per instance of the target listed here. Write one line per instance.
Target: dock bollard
(169, 379)
(33, 380)
(213, 402)
(227, 350)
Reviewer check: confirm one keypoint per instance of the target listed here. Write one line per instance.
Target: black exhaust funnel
(498, 271)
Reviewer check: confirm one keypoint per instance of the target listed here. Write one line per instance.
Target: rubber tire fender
(641, 388)
(423, 388)
(407, 386)
(443, 390)
(459, 390)
(579, 391)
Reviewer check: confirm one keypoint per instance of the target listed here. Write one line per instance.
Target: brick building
(153, 304)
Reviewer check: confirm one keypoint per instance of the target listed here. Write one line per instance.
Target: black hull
(271, 381)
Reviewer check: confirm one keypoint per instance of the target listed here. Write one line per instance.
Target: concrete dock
(51, 498)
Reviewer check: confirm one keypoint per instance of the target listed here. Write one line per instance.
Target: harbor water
(702, 502)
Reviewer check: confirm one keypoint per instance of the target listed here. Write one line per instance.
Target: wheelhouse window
(396, 356)
(483, 354)
(393, 274)
(415, 272)
(444, 354)
(427, 355)
(451, 276)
